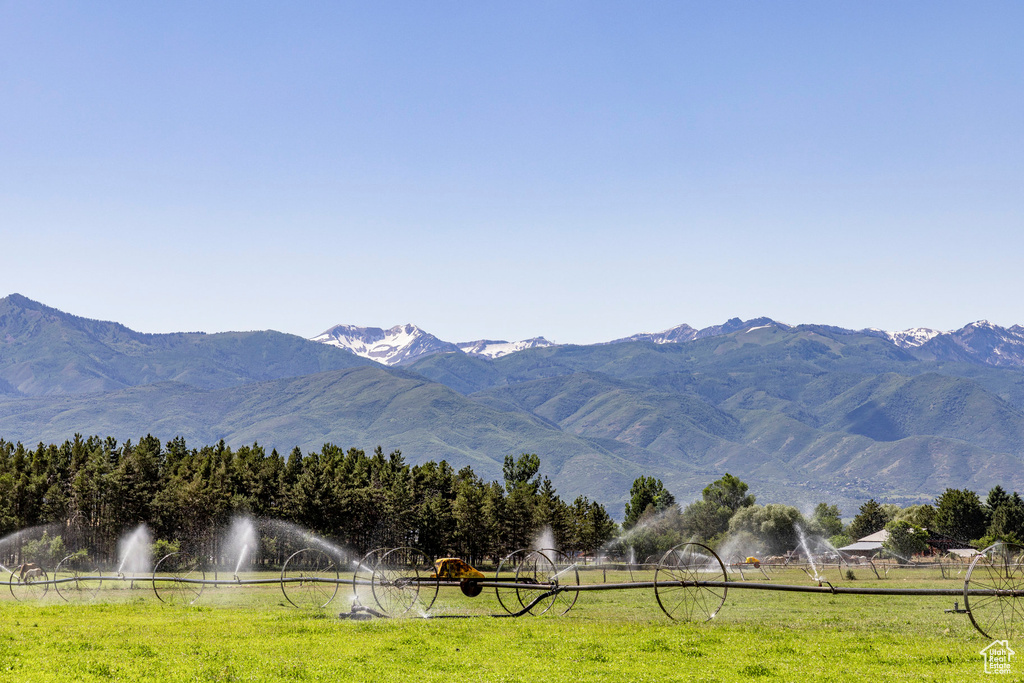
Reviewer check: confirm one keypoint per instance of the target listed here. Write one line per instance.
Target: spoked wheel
(401, 582)
(32, 586)
(566, 573)
(535, 568)
(506, 573)
(77, 579)
(949, 566)
(178, 579)
(999, 567)
(888, 566)
(676, 583)
(734, 565)
(309, 578)
(362, 571)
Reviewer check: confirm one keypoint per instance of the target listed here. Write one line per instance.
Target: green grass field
(241, 633)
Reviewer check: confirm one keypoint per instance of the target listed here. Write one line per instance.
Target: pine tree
(646, 492)
(869, 520)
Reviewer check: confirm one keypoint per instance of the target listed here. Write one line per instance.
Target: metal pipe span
(556, 588)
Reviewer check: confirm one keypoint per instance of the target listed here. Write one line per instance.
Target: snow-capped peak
(913, 337)
(394, 346)
(405, 343)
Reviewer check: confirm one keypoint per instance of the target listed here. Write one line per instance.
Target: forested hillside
(804, 414)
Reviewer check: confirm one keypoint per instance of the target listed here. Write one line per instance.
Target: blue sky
(581, 171)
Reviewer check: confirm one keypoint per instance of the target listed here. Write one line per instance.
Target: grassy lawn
(240, 633)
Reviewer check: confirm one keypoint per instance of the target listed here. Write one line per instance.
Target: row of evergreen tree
(95, 490)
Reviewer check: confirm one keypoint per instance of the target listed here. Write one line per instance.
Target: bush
(986, 541)
(45, 551)
(162, 548)
(840, 540)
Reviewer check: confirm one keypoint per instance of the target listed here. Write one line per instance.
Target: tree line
(959, 518)
(94, 490)
(727, 519)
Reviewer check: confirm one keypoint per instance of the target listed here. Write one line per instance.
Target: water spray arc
(134, 553)
(242, 542)
(690, 582)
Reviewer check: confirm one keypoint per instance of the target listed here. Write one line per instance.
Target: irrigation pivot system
(690, 583)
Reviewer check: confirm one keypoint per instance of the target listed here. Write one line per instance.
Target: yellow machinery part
(454, 568)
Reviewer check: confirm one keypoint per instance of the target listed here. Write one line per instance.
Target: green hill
(44, 351)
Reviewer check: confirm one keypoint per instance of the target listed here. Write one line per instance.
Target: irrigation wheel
(734, 565)
(566, 573)
(998, 567)
(78, 579)
(950, 565)
(362, 572)
(536, 568)
(676, 583)
(402, 582)
(309, 578)
(178, 579)
(506, 573)
(31, 587)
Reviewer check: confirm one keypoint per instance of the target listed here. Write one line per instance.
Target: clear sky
(578, 170)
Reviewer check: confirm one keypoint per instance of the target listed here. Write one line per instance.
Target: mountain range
(979, 342)
(403, 344)
(803, 413)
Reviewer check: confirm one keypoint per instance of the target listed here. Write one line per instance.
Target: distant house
(872, 543)
(867, 546)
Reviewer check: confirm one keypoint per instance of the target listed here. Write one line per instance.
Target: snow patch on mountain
(737, 325)
(685, 333)
(991, 344)
(977, 342)
(496, 349)
(673, 335)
